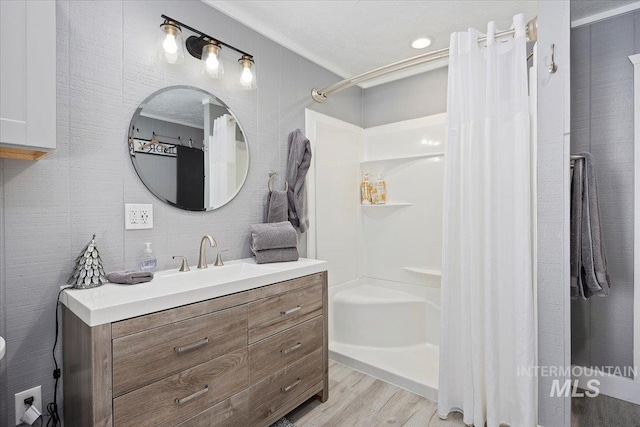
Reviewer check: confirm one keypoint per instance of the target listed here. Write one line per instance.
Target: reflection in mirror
(188, 148)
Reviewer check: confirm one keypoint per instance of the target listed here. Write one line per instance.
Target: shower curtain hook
(553, 67)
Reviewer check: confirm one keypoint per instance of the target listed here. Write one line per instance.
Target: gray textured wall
(50, 208)
(602, 123)
(553, 209)
(416, 96)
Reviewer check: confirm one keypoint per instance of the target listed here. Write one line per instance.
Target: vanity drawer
(175, 399)
(142, 358)
(277, 313)
(274, 353)
(232, 412)
(269, 395)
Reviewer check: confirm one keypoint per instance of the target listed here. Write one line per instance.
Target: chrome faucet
(202, 261)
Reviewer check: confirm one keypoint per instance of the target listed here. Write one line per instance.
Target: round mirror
(188, 148)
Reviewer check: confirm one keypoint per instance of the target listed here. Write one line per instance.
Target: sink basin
(218, 274)
(3, 347)
(171, 288)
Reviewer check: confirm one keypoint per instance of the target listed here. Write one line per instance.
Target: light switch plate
(138, 216)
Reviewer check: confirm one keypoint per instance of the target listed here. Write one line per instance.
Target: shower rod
(320, 95)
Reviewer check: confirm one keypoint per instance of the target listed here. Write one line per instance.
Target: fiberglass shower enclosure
(384, 260)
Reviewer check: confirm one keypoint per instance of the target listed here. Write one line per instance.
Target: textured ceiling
(179, 105)
(350, 37)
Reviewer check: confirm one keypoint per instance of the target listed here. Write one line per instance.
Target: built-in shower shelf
(401, 159)
(424, 271)
(387, 205)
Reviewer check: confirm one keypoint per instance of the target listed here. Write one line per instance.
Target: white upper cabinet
(27, 78)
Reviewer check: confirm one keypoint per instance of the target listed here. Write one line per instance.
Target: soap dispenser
(149, 261)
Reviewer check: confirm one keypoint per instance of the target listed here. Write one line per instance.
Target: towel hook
(271, 175)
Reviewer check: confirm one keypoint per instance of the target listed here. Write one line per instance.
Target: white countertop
(172, 288)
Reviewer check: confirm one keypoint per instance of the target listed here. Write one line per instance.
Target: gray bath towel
(297, 168)
(589, 275)
(277, 206)
(576, 229)
(130, 277)
(276, 235)
(276, 255)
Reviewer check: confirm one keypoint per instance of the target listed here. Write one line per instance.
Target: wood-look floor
(603, 411)
(359, 400)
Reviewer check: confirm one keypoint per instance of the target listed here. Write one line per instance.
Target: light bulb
(170, 46)
(248, 74)
(246, 77)
(212, 62)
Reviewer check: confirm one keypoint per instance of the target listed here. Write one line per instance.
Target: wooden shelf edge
(22, 154)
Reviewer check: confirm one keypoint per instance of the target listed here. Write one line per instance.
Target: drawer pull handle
(292, 386)
(289, 350)
(291, 310)
(180, 401)
(191, 346)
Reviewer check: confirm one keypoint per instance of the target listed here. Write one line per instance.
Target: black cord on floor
(52, 407)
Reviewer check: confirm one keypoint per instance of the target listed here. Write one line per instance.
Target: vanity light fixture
(422, 42)
(170, 42)
(205, 48)
(211, 64)
(248, 74)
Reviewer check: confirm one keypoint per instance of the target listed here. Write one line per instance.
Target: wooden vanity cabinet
(244, 359)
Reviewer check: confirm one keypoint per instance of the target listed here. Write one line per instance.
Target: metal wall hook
(553, 67)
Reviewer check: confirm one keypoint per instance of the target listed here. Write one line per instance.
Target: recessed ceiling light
(421, 43)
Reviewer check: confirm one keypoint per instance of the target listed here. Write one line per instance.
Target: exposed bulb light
(248, 74)
(170, 46)
(211, 63)
(421, 43)
(206, 49)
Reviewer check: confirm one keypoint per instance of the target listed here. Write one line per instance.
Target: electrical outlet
(138, 216)
(146, 216)
(36, 393)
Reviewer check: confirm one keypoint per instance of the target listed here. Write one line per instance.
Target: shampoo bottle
(365, 190)
(380, 189)
(149, 261)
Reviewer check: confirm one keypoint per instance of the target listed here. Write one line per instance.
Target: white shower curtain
(487, 313)
(222, 154)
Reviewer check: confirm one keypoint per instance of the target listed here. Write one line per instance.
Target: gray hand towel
(576, 229)
(297, 168)
(276, 235)
(276, 255)
(277, 206)
(130, 277)
(590, 270)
